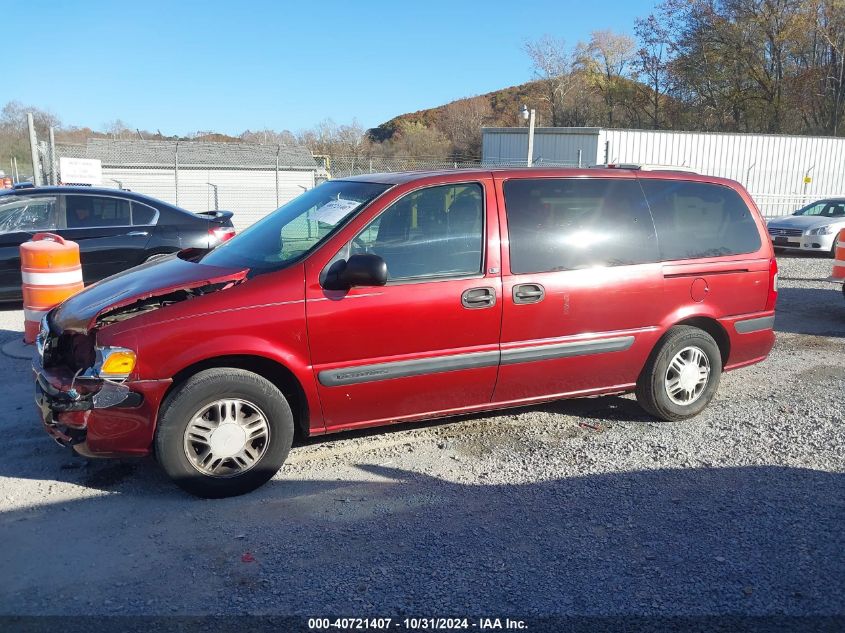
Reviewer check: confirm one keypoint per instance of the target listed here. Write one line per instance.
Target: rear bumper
(752, 337)
(98, 418)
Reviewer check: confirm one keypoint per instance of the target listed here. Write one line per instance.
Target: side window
(142, 215)
(434, 232)
(27, 214)
(695, 219)
(573, 223)
(834, 210)
(91, 211)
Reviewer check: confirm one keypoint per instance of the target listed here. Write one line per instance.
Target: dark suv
(115, 229)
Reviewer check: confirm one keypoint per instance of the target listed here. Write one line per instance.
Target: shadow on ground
(813, 311)
(752, 540)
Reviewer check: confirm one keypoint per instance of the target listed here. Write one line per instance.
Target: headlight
(114, 363)
(43, 335)
(822, 230)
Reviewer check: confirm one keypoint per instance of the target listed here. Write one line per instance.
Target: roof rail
(645, 167)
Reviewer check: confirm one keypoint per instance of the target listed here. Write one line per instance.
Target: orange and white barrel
(51, 272)
(839, 259)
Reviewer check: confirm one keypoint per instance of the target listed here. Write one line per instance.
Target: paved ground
(577, 507)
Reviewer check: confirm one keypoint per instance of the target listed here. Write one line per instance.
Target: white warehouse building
(782, 173)
(249, 179)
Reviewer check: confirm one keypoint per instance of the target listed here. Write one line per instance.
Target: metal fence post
(278, 149)
(53, 176)
(747, 182)
(33, 148)
(176, 171)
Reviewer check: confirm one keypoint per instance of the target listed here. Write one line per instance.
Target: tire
(652, 387)
(247, 405)
(833, 247)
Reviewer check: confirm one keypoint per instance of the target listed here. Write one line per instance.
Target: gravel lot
(581, 507)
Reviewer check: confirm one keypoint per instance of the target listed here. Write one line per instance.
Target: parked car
(115, 229)
(394, 297)
(812, 228)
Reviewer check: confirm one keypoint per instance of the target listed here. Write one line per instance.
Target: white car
(813, 228)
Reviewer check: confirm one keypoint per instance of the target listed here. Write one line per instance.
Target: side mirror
(364, 269)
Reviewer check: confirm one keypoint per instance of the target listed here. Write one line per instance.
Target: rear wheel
(682, 374)
(224, 432)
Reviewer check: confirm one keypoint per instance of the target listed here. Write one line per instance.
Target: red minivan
(393, 297)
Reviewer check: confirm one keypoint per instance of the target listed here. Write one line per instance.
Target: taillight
(221, 234)
(773, 284)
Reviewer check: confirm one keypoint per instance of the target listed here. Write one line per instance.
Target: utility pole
(278, 150)
(33, 148)
(531, 116)
(176, 171)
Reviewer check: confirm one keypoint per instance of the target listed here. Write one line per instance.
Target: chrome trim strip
(565, 350)
(405, 368)
(472, 360)
(755, 325)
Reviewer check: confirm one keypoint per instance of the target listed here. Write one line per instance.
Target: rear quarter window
(695, 219)
(142, 215)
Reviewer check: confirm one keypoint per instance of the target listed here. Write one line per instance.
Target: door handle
(478, 298)
(528, 293)
(138, 233)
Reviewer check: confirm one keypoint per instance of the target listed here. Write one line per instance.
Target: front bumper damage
(83, 414)
(65, 407)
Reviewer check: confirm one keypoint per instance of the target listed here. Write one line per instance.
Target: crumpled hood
(803, 222)
(79, 313)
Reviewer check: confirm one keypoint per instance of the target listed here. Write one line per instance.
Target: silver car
(812, 228)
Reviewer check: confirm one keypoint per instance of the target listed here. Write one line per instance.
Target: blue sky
(228, 66)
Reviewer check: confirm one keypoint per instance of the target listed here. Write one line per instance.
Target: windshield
(27, 213)
(295, 228)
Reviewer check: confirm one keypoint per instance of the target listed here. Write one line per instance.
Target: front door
(428, 341)
(582, 288)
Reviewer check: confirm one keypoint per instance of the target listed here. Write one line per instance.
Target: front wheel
(223, 432)
(682, 374)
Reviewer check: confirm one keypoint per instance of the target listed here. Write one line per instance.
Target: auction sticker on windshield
(334, 211)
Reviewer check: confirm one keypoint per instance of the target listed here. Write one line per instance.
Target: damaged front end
(74, 377)
(81, 384)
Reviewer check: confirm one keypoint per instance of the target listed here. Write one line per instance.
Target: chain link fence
(345, 166)
(252, 180)
(249, 179)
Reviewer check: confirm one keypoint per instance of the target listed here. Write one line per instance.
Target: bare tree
(552, 63)
(268, 137)
(606, 59)
(461, 122)
(415, 140)
(118, 130)
(652, 63)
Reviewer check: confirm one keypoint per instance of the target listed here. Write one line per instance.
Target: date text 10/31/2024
(435, 624)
